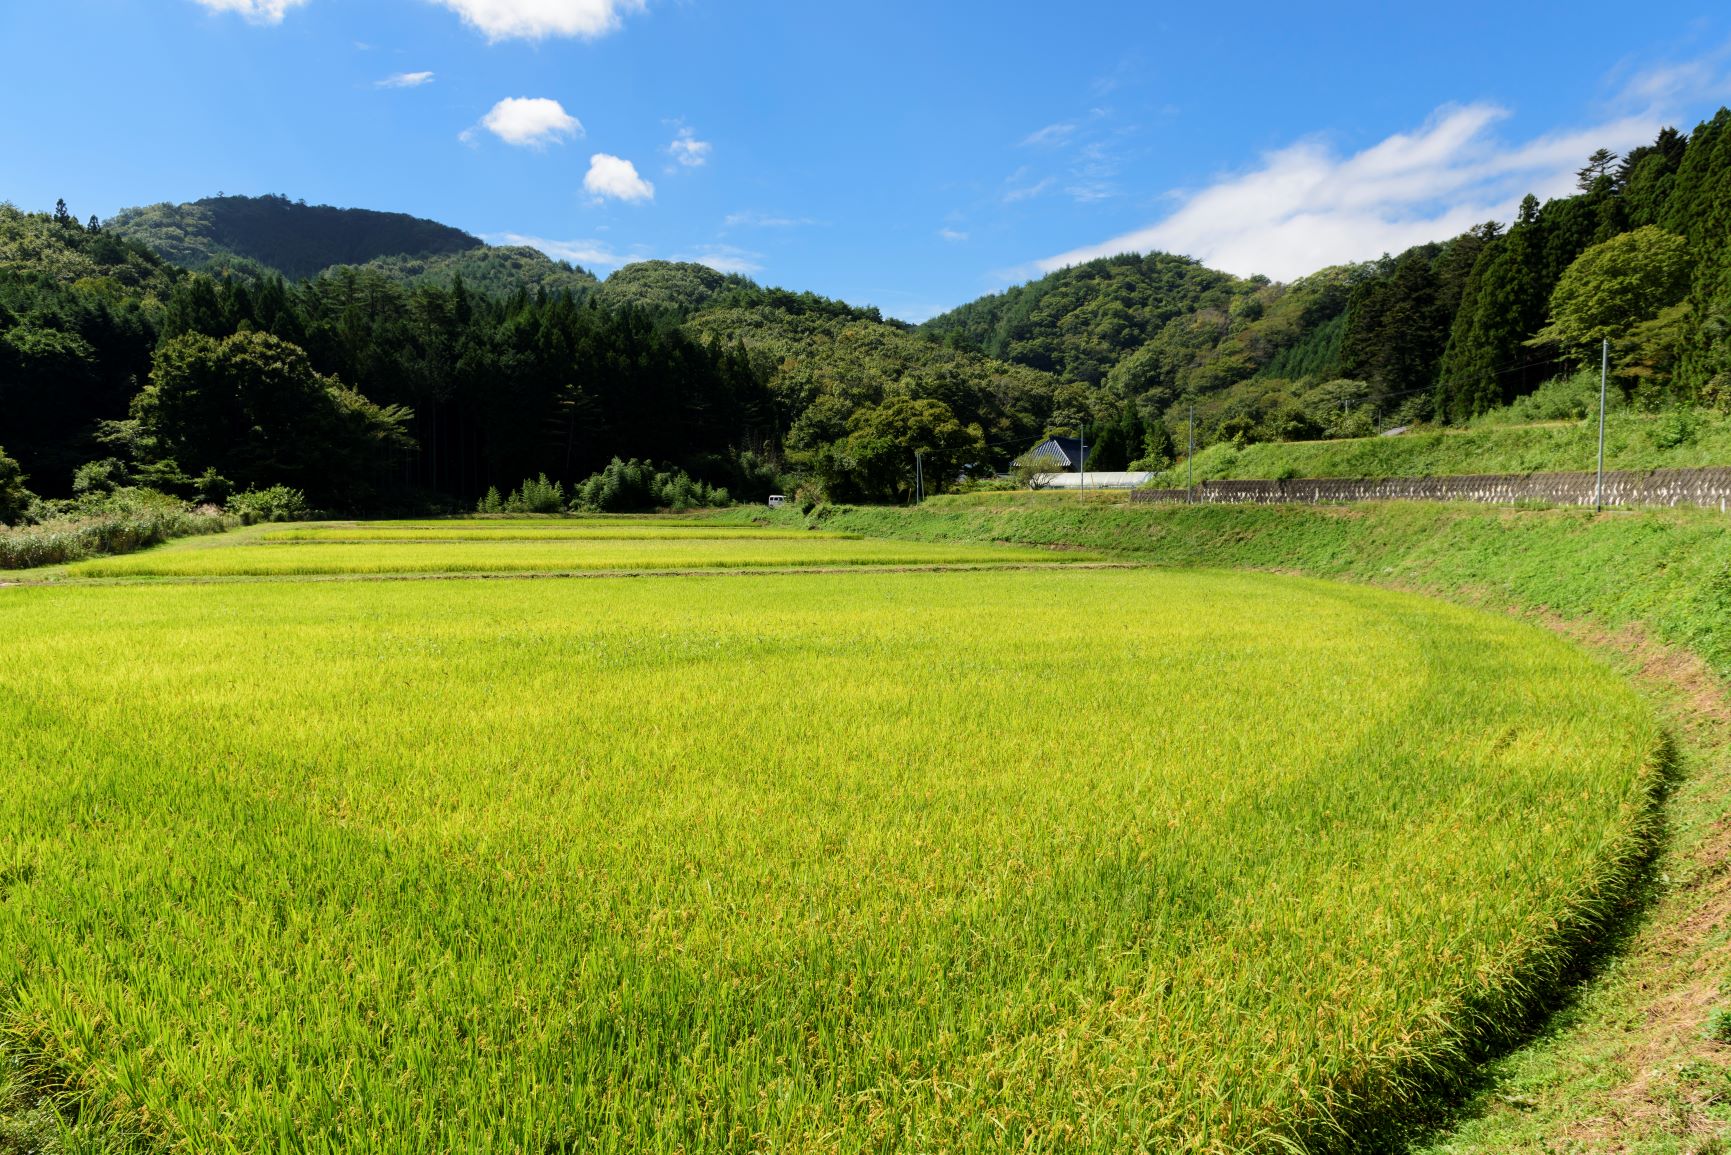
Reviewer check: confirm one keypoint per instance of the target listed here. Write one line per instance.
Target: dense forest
(366, 388)
(373, 360)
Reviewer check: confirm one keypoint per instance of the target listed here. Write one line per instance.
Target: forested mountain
(278, 235)
(427, 376)
(384, 384)
(1442, 332)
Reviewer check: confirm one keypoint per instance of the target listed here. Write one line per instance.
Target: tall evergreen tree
(1699, 209)
(1598, 165)
(1647, 176)
(1397, 326)
(1503, 302)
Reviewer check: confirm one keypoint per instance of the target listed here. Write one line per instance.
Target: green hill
(677, 286)
(496, 271)
(827, 366)
(1080, 321)
(290, 237)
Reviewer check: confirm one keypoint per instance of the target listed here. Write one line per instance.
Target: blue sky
(907, 155)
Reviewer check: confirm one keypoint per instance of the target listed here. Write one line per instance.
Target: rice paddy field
(539, 546)
(995, 858)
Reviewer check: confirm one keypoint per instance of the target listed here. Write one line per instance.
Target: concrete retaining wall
(1709, 488)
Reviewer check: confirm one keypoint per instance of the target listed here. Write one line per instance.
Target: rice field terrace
(1014, 858)
(540, 546)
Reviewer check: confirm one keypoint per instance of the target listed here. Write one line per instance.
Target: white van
(777, 500)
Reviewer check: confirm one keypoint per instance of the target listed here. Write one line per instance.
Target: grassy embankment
(1018, 859)
(1668, 570)
(1640, 1063)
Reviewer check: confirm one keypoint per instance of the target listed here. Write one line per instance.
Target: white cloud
(405, 80)
(952, 235)
(528, 122)
(688, 150)
(255, 11)
(612, 176)
(577, 252)
(724, 258)
(1306, 206)
(538, 19)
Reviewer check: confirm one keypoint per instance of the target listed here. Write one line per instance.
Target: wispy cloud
(1050, 135)
(405, 80)
(1084, 158)
(724, 258)
(540, 19)
(254, 11)
(590, 252)
(1683, 83)
(756, 220)
(1021, 187)
(615, 177)
(688, 150)
(528, 122)
(952, 235)
(1307, 206)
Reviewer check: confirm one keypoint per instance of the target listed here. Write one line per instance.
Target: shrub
(95, 524)
(14, 498)
(278, 503)
(1673, 428)
(987, 484)
(636, 485)
(100, 477)
(212, 488)
(1571, 398)
(537, 495)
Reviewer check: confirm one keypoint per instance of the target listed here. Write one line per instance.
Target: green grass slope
(1677, 440)
(1669, 570)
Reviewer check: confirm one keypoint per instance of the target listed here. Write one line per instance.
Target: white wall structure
(1098, 480)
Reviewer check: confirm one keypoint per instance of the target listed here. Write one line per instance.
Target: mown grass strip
(361, 535)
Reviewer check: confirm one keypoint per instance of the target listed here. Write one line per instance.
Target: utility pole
(919, 479)
(1084, 461)
(1190, 458)
(1604, 375)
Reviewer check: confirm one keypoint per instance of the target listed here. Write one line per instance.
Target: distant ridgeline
(428, 366)
(289, 237)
